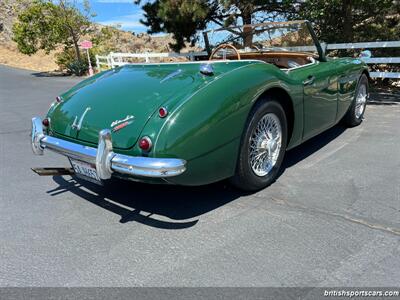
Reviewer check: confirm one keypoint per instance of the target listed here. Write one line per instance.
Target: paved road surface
(331, 219)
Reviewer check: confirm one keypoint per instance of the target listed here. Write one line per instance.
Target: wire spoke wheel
(265, 144)
(355, 113)
(361, 101)
(262, 146)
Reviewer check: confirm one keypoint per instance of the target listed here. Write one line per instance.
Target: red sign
(86, 44)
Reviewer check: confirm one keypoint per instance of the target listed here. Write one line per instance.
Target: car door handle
(310, 80)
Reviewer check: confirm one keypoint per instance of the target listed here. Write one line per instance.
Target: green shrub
(64, 58)
(77, 67)
(67, 62)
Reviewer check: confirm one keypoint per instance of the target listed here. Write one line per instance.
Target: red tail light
(145, 143)
(46, 122)
(162, 112)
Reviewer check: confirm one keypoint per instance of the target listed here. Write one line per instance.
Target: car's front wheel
(263, 146)
(355, 114)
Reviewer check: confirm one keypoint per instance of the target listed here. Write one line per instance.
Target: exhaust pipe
(53, 171)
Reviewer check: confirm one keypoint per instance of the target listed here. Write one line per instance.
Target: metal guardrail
(118, 59)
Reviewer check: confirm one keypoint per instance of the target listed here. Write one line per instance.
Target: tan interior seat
(285, 60)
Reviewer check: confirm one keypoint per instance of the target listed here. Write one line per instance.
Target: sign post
(87, 45)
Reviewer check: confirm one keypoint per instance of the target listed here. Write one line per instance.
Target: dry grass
(121, 41)
(10, 56)
(118, 41)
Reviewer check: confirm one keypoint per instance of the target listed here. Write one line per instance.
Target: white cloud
(127, 22)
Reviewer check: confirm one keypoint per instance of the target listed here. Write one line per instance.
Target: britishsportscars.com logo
(361, 293)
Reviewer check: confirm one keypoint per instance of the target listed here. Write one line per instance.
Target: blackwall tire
(355, 114)
(263, 146)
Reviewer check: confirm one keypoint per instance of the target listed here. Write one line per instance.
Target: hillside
(118, 41)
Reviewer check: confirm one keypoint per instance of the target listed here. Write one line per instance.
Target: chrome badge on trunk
(119, 124)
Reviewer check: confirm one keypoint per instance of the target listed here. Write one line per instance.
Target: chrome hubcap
(361, 100)
(265, 144)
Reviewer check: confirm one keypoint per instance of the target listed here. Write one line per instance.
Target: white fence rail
(103, 61)
(380, 44)
(118, 59)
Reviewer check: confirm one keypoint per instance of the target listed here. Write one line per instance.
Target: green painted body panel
(349, 71)
(134, 90)
(207, 114)
(320, 98)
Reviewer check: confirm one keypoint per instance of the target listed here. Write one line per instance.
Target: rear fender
(213, 119)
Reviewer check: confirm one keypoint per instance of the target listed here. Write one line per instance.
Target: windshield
(276, 36)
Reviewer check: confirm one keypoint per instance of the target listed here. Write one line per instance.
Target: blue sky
(123, 12)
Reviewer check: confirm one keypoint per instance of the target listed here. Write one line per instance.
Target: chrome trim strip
(106, 161)
(172, 75)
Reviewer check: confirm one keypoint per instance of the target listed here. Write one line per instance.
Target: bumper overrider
(106, 161)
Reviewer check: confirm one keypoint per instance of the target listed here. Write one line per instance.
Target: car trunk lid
(125, 98)
(121, 100)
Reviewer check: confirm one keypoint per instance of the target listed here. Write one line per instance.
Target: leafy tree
(334, 20)
(183, 18)
(352, 20)
(46, 25)
(338, 21)
(102, 39)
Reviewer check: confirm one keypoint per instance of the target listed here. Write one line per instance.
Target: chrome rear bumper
(106, 161)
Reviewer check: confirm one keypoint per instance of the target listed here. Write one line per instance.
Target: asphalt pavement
(331, 219)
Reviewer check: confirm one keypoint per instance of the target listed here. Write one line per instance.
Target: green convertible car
(261, 90)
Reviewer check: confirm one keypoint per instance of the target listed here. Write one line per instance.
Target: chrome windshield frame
(320, 51)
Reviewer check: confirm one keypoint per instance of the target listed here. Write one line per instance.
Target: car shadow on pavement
(311, 146)
(173, 207)
(49, 74)
(160, 206)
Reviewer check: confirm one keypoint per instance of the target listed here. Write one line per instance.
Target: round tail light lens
(46, 122)
(145, 143)
(162, 112)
